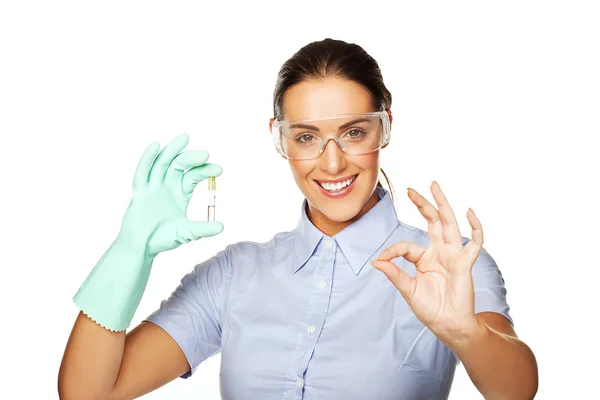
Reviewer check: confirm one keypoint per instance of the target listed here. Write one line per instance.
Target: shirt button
(311, 330)
(299, 382)
(322, 285)
(328, 244)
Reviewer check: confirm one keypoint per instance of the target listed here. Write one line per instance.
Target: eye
(355, 133)
(305, 138)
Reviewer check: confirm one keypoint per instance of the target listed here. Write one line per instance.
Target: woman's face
(312, 98)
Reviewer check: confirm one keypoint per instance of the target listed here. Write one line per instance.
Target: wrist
(132, 246)
(113, 289)
(459, 340)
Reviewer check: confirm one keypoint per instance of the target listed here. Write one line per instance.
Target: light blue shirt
(306, 316)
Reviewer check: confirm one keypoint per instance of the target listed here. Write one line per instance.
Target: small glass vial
(212, 193)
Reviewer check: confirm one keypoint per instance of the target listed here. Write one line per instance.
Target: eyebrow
(315, 128)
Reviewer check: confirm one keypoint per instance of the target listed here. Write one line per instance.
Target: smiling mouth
(337, 187)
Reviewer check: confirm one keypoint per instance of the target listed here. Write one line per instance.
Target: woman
(352, 304)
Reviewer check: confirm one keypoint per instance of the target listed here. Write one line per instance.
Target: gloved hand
(154, 222)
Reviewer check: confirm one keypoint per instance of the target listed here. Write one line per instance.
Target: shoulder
(253, 252)
(241, 259)
(406, 232)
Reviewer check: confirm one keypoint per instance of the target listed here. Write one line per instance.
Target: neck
(330, 227)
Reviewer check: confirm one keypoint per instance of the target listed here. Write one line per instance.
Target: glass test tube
(212, 192)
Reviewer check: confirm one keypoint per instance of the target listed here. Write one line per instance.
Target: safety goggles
(356, 134)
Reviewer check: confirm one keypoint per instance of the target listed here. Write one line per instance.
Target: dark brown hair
(331, 58)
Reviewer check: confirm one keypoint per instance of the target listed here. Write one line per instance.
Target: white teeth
(332, 187)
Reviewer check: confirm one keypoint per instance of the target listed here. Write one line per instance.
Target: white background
(497, 102)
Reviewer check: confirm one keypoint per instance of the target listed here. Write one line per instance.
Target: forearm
(500, 366)
(91, 362)
(108, 298)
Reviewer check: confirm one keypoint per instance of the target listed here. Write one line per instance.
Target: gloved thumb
(194, 230)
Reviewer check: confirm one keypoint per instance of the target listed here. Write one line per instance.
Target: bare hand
(441, 294)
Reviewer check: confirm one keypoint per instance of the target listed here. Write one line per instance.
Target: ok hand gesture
(441, 294)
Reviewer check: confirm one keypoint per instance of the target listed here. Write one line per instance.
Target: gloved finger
(159, 168)
(194, 230)
(198, 174)
(140, 179)
(185, 160)
(189, 159)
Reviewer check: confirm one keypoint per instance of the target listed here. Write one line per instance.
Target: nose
(332, 159)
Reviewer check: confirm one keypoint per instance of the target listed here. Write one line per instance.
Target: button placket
(315, 318)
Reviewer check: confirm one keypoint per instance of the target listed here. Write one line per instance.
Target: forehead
(311, 98)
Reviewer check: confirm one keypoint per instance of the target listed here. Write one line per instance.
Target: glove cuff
(112, 291)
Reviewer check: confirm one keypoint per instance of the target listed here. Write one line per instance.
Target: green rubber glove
(154, 222)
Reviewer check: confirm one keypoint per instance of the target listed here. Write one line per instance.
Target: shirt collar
(358, 241)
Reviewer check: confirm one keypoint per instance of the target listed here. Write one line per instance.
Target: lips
(340, 193)
(337, 180)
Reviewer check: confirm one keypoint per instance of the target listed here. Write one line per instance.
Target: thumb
(194, 230)
(403, 282)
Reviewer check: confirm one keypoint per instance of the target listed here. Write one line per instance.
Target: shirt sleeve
(192, 314)
(488, 283)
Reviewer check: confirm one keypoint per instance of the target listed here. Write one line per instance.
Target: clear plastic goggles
(357, 133)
